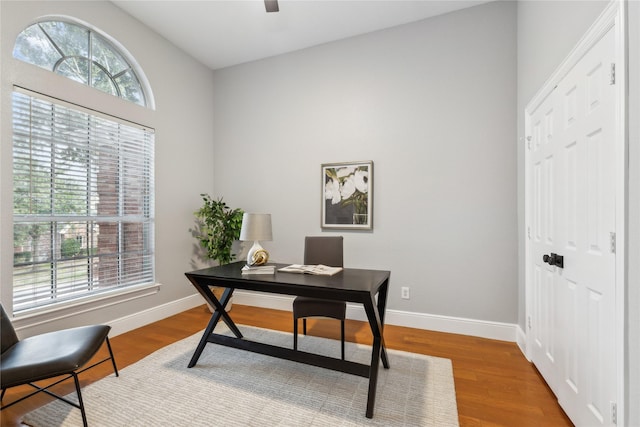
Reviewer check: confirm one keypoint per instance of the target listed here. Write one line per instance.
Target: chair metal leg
(80, 403)
(113, 359)
(304, 330)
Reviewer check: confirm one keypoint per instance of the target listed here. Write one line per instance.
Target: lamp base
(257, 255)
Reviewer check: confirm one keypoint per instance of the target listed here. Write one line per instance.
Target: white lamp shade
(256, 227)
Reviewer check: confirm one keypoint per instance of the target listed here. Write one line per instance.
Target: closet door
(571, 236)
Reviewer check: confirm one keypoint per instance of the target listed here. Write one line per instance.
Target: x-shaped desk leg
(375, 315)
(218, 313)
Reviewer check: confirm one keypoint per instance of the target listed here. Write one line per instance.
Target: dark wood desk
(350, 285)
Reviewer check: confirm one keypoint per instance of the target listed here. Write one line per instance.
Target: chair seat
(314, 307)
(51, 354)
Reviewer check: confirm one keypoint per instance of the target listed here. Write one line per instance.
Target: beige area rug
(231, 387)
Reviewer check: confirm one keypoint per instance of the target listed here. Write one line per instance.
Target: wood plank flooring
(495, 385)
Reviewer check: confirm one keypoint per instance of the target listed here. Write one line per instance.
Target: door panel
(544, 320)
(572, 333)
(572, 210)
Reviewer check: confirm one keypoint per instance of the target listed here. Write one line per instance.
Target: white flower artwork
(347, 195)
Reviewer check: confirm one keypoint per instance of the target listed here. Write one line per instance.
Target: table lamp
(256, 227)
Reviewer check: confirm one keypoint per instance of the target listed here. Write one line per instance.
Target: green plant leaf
(218, 227)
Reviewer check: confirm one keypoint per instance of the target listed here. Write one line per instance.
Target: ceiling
(222, 33)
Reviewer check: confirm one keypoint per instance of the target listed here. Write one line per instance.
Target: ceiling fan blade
(271, 5)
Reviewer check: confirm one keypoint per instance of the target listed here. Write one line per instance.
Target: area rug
(231, 387)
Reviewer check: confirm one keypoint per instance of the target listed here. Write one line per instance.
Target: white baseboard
(142, 318)
(454, 325)
(273, 301)
(521, 340)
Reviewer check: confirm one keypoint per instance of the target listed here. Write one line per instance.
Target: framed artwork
(347, 195)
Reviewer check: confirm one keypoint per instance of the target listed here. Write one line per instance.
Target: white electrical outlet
(404, 292)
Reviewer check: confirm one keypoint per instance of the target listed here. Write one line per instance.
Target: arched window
(80, 54)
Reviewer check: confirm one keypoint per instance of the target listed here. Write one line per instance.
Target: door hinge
(529, 322)
(612, 74)
(612, 242)
(614, 412)
(529, 142)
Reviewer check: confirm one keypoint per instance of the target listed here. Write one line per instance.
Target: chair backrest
(8, 335)
(326, 250)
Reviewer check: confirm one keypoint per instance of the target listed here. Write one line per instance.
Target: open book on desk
(319, 269)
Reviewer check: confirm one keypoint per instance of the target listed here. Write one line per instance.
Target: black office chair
(49, 355)
(326, 250)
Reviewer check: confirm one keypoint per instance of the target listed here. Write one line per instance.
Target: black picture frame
(347, 195)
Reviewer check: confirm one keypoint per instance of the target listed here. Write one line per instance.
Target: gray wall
(433, 105)
(184, 137)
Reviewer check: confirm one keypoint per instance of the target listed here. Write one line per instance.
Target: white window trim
(42, 315)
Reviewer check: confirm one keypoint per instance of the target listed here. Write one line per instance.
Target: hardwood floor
(495, 385)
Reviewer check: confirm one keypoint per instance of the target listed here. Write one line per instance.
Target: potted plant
(218, 226)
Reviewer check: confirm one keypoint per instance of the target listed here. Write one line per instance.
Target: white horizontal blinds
(83, 202)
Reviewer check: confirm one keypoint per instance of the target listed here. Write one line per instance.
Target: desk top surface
(349, 280)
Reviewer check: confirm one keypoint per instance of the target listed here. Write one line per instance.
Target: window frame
(108, 42)
(133, 290)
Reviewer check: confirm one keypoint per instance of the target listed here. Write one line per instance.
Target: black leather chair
(50, 355)
(326, 250)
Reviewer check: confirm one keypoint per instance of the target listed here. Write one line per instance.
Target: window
(83, 202)
(79, 54)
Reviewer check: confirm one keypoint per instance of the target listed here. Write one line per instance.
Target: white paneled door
(571, 235)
